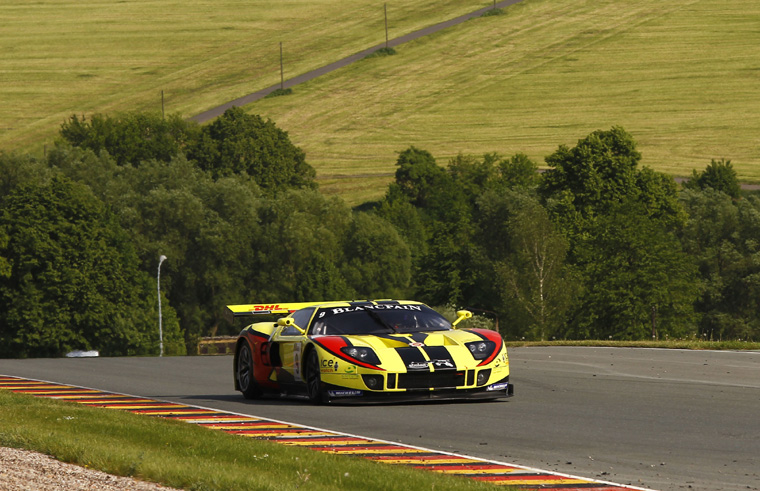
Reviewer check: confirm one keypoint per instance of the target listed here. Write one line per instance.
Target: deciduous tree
(237, 142)
(719, 175)
(75, 281)
(131, 138)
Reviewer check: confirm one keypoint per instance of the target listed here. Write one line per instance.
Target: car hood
(437, 350)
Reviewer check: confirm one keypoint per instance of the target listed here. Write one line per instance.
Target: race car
(367, 351)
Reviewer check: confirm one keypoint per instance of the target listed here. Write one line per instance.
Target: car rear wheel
(314, 386)
(245, 373)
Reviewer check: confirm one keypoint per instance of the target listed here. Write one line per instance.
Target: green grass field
(60, 57)
(681, 76)
(186, 456)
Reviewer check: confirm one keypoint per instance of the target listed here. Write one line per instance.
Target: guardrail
(217, 345)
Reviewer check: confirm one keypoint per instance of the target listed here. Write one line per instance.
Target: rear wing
(232, 312)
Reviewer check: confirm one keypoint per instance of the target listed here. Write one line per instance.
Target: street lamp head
(161, 258)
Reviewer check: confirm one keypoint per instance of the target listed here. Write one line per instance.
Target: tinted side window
(301, 318)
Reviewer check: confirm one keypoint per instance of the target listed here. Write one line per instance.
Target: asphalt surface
(662, 419)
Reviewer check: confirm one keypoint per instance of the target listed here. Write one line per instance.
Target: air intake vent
(431, 380)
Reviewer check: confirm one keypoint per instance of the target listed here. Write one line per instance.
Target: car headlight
(480, 350)
(361, 353)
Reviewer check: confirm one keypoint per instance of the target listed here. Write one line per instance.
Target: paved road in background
(664, 419)
(392, 43)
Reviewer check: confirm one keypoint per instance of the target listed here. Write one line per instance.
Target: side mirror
(461, 315)
(289, 322)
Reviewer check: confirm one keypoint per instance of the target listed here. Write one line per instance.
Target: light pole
(161, 259)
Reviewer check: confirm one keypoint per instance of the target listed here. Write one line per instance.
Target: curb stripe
(497, 473)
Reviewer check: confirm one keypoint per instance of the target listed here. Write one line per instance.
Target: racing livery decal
(396, 349)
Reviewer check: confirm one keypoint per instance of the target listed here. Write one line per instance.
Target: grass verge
(186, 456)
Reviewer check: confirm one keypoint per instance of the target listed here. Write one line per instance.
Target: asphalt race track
(663, 419)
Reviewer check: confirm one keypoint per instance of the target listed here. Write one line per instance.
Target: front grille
(430, 380)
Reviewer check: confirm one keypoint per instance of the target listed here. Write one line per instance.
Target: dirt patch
(21, 470)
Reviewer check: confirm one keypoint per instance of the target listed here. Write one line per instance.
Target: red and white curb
(498, 473)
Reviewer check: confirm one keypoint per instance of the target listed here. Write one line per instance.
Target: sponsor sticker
(442, 363)
(416, 365)
(297, 361)
(345, 310)
(501, 386)
(266, 308)
(345, 393)
(329, 366)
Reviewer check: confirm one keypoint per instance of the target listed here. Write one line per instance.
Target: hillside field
(681, 76)
(64, 57)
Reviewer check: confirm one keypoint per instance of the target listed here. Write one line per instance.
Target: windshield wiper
(379, 320)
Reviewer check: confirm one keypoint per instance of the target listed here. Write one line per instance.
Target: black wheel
(314, 378)
(244, 373)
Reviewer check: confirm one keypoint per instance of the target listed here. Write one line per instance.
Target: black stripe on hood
(413, 359)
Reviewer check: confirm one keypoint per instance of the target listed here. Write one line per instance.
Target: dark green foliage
(280, 92)
(239, 143)
(226, 242)
(595, 247)
(536, 286)
(418, 177)
(377, 260)
(438, 211)
(204, 226)
(444, 275)
(131, 138)
(74, 282)
(596, 176)
(298, 249)
(621, 222)
(517, 172)
(494, 11)
(385, 51)
(407, 221)
(16, 170)
(719, 175)
(5, 265)
(311, 248)
(598, 172)
(639, 281)
(723, 237)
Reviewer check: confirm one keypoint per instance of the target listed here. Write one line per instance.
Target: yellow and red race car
(362, 351)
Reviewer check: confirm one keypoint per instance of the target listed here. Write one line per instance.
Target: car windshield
(378, 319)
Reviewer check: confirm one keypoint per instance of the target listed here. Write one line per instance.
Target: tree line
(594, 247)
